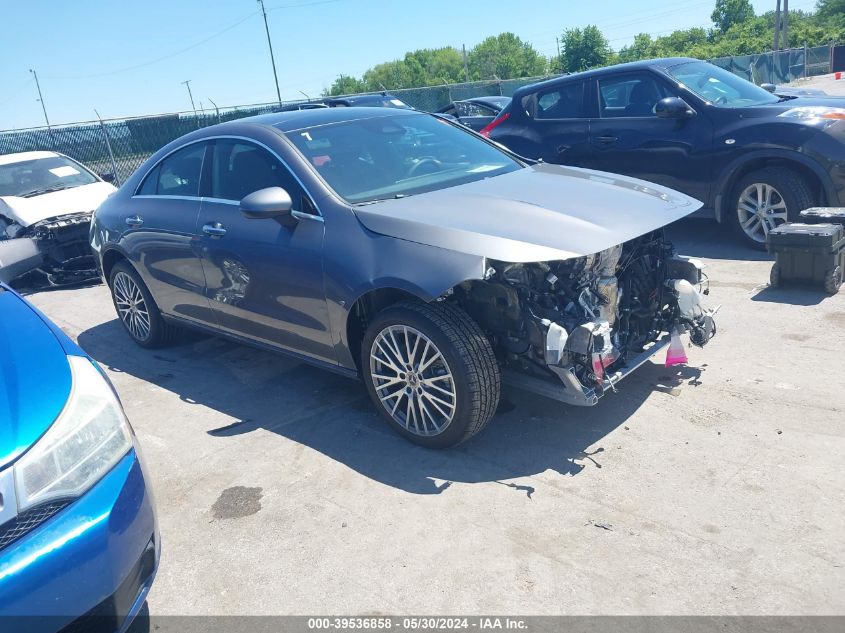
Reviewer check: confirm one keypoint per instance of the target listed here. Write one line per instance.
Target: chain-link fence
(778, 67)
(119, 146)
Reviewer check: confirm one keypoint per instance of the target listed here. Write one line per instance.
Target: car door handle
(134, 221)
(214, 229)
(607, 140)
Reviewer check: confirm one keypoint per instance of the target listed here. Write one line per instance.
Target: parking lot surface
(716, 488)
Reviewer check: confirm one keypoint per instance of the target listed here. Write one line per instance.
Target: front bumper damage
(57, 247)
(569, 388)
(593, 341)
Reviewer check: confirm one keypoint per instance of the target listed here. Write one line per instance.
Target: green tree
(641, 48)
(830, 9)
(729, 12)
(583, 49)
(505, 56)
(345, 85)
(434, 66)
(388, 76)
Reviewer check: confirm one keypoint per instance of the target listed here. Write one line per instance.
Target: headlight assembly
(814, 112)
(88, 438)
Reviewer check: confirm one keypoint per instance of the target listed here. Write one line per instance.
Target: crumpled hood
(27, 211)
(35, 377)
(541, 213)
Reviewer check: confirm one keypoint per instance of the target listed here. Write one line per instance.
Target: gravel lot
(717, 488)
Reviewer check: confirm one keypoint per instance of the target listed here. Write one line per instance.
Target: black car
(478, 112)
(754, 158)
(380, 100)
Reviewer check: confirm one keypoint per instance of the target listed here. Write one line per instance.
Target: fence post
(108, 145)
(806, 53)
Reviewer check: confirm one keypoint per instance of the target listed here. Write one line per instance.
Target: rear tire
(775, 278)
(764, 199)
(430, 372)
(137, 310)
(833, 281)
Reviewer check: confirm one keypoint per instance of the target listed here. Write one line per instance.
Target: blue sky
(128, 58)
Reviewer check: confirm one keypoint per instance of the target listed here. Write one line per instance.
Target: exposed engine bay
(57, 247)
(585, 321)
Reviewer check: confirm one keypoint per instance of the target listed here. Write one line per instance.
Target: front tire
(136, 308)
(430, 372)
(764, 199)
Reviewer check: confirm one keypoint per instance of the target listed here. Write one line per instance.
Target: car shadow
(792, 294)
(702, 237)
(333, 414)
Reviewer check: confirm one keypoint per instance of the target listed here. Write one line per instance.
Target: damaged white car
(46, 202)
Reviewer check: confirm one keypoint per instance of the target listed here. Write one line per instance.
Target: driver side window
(238, 168)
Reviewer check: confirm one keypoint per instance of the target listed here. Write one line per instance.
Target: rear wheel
(136, 308)
(766, 198)
(431, 373)
(833, 280)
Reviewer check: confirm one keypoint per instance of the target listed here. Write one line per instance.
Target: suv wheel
(431, 373)
(136, 308)
(766, 198)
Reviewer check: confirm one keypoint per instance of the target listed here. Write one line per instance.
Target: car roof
(19, 157)
(298, 119)
(660, 63)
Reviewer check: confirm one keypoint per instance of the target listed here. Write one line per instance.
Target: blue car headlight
(88, 438)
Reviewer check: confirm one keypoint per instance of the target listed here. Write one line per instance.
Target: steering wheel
(424, 165)
(720, 100)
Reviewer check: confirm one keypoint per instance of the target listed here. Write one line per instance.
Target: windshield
(390, 157)
(720, 87)
(30, 178)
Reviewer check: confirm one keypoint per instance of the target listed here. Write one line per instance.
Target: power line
(162, 58)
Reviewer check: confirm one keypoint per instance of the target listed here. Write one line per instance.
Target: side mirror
(107, 177)
(266, 203)
(769, 87)
(673, 108)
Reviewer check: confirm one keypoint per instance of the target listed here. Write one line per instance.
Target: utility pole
(187, 83)
(270, 44)
(41, 98)
(557, 61)
(466, 66)
(776, 45)
(786, 24)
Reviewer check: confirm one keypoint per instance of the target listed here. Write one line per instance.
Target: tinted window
(376, 158)
(465, 108)
(239, 168)
(633, 95)
(176, 175)
(563, 102)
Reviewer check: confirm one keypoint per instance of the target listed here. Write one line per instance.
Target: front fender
(729, 171)
(423, 271)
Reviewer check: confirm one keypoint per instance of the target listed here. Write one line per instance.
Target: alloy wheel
(412, 380)
(131, 307)
(760, 209)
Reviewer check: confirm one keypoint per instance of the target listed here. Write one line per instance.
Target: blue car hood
(35, 378)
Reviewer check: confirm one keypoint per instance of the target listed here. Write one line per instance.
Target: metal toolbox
(824, 215)
(808, 253)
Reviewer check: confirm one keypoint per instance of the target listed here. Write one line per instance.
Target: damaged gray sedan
(404, 249)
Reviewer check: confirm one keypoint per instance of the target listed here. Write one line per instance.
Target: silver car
(405, 250)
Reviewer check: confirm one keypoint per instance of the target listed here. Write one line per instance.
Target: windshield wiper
(787, 98)
(374, 200)
(38, 192)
